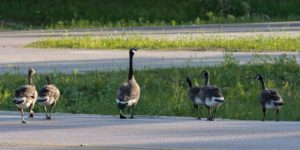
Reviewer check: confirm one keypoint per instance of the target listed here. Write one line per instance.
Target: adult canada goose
(26, 95)
(194, 96)
(269, 98)
(211, 95)
(48, 95)
(129, 92)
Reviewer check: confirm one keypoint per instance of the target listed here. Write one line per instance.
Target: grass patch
(62, 14)
(244, 44)
(164, 91)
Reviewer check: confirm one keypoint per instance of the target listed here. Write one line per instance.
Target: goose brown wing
(209, 91)
(27, 91)
(49, 90)
(268, 95)
(128, 90)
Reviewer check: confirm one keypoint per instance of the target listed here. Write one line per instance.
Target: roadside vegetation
(66, 14)
(164, 91)
(242, 44)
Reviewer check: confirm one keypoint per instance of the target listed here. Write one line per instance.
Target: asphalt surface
(74, 131)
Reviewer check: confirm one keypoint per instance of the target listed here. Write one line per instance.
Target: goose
(194, 96)
(211, 95)
(26, 95)
(48, 95)
(129, 92)
(269, 98)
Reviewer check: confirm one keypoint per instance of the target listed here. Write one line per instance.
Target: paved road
(184, 29)
(69, 131)
(68, 61)
(14, 57)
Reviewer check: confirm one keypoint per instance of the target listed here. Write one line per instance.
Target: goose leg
(52, 107)
(215, 111)
(264, 114)
(46, 113)
(132, 111)
(31, 111)
(277, 112)
(22, 114)
(121, 114)
(210, 118)
(197, 111)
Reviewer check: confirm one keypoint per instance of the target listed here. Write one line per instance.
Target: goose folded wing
(209, 91)
(193, 92)
(51, 91)
(26, 91)
(128, 91)
(270, 95)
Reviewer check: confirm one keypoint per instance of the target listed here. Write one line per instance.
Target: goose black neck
(48, 80)
(130, 74)
(30, 82)
(207, 80)
(263, 86)
(188, 80)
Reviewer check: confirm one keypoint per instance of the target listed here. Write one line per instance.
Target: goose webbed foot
(23, 121)
(210, 119)
(48, 117)
(131, 117)
(264, 114)
(132, 111)
(31, 115)
(199, 118)
(122, 117)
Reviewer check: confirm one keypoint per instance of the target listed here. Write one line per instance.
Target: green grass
(61, 14)
(244, 44)
(164, 91)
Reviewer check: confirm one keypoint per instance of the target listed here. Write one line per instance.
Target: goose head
(48, 79)
(31, 71)
(258, 77)
(204, 74)
(132, 51)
